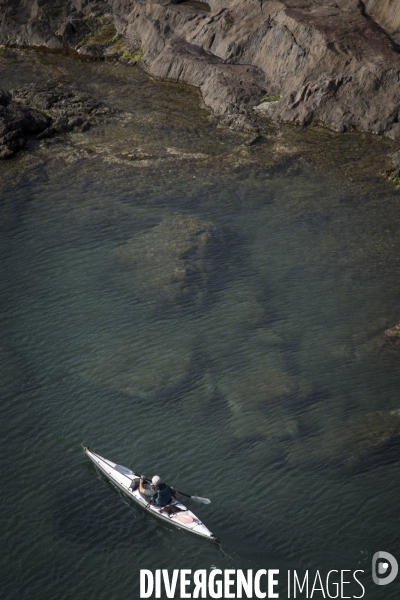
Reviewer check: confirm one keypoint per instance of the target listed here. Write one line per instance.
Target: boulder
(43, 109)
(17, 124)
(61, 102)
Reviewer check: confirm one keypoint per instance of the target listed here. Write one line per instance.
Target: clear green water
(239, 394)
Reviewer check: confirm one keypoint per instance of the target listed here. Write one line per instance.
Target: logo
(381, 561)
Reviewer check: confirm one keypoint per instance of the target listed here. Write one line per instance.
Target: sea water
(239, 394)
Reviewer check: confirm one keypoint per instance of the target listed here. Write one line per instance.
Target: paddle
(195, 498)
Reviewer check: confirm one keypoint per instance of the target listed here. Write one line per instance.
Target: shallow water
(239, 393)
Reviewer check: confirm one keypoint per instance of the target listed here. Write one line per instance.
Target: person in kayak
(158, 492)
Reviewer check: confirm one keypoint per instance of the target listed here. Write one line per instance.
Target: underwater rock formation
(393, 333)
(252, 375)
(380, 346)
(176, 258)
(393, 173)
(355, 441)
(156, 362)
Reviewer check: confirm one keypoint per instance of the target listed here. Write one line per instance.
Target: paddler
(158, 492)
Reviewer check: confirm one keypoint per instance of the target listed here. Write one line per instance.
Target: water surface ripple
(248, 384)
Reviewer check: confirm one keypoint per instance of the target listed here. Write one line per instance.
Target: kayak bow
(175, 513)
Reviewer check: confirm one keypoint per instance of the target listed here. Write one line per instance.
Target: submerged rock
(176, 259)
(393, 333)
(354, 441)
(252, 375)
(67, 106)
(156, 362)
(393, 173)
(262, 380)
(200, 398)
(258, 392)
(380, 345)
(43, 109)
(236, 315)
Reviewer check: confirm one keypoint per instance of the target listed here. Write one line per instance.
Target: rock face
(393, 172)
(387, 14)
(175, 259)
(41, 110)
(333, 63)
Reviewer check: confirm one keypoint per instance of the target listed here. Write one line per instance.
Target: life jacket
(163, 495)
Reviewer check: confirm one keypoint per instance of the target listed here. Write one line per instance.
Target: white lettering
(221, 584)
(200, 580)
(170, 587)
(243, 584)
(215, 587)
(158, 584)
(359, 583)
(184, 583)
(257, 591)
(146, 583)
(305, 583)
(228, 583)
(343, 582)
(272, 582)
(317, 589)
(336, 585)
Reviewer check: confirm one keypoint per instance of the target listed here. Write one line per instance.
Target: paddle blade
(200, 499)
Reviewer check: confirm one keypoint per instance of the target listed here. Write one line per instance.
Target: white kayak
(175, 513)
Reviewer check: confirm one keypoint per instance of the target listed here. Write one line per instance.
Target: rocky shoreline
(297, 61)
(41, 111)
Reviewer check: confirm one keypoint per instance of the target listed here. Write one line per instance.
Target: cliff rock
(298, 61)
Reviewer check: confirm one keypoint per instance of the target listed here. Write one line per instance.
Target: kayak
(175, 513)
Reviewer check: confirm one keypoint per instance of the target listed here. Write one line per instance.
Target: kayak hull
(175, 513)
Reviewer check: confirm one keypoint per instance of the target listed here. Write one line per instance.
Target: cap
(156, 480)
